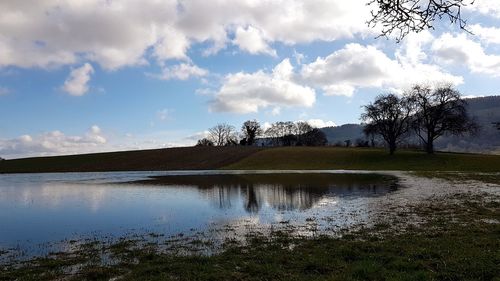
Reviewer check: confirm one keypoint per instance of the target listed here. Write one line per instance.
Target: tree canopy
(388, 116)
(439, 111)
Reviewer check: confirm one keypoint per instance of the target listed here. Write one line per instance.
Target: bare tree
(222, 134)
(314, 137)
(282, 133)
(251, 130)
(389, 117)
(205, 142)
(439, 111)
(273, 134)
(303, 127)
(400, 17)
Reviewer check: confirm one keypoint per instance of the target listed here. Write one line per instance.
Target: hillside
(338, 134)
(484, 110)
(182, 158)
(207, 158)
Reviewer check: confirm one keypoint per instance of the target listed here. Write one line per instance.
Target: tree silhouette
(205, 142)
(251, 130)
(439, 111)
(314, 137)
(222, 134)
(301, 130)
(400, 17)
(388, 116)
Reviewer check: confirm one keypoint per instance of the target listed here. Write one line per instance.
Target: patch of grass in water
(462, 176)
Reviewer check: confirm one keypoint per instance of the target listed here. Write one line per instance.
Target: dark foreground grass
(365, 159)
(458, 240)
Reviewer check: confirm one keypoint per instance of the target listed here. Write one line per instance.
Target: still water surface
(46, 208)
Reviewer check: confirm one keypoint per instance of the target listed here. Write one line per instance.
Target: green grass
(255, 158)
(365, 159)
(181, 158)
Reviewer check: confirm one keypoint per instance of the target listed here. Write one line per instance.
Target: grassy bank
(365, 159)
(458, 240)
(182, 158)
(209, 158)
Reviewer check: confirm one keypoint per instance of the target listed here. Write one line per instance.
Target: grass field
(206, 158)
(182, 158)
(365, 159)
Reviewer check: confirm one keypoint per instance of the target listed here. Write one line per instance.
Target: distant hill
(485, 110)
(339, 134)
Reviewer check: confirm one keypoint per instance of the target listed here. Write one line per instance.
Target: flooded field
(40, 213)
(223, 224)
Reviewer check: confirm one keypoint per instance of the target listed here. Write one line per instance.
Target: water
(43, 209)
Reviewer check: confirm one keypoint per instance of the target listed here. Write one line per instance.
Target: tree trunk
(392, 147)
(429, 146)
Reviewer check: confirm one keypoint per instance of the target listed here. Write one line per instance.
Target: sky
(82, 76)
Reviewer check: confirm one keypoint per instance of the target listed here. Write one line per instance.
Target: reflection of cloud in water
(55, 195)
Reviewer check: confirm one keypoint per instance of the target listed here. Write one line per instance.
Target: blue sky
(88, 76)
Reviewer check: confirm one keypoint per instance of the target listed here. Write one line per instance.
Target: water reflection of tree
(253, 198)
(280, 197)
(285, 197)
(221, 196)
(282, 192)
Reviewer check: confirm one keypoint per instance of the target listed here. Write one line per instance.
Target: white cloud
(248, 92)
(77, 82)
(252, 41)
(486, 7)
(266, 125)
(357, 66)
(411, 50)
(115, 34)
(276, 111)
(181, 71)
(53, 143)
(459, 50)
(50, 33)
(172, 45)
(353, 66)
(489, 35)
(320, 123)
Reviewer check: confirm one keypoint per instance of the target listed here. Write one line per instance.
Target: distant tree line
(426, 112)
(278, 134)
